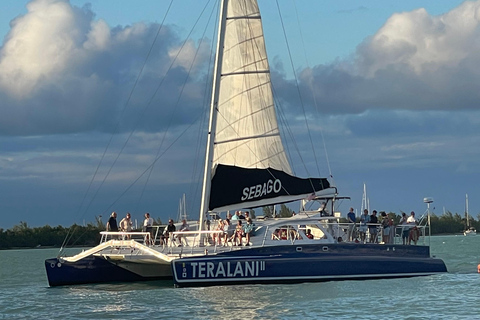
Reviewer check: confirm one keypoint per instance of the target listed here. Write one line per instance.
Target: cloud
(416, 61)
(63, 71)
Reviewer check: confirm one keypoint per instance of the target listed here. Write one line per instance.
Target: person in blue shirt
(351, 227)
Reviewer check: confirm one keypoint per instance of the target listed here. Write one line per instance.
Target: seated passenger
(248, 230)
(276, 234)
(237, 237)
(309, 234)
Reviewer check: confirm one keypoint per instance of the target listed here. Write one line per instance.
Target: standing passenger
(168, 231)
(405, 228)
(364, 219)
(112, 223)
(126, 223)
(183, 227)
(351, 227)
(372, 228)
(386, 224)
(148, 227)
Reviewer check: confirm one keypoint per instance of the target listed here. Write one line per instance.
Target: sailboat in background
(469, 230)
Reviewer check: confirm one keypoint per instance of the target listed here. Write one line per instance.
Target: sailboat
(469, 230)
(246, 167)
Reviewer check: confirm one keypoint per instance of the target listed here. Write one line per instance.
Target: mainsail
(247, 132)
(249, 165)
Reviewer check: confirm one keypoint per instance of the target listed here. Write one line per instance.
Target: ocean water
(24, 294)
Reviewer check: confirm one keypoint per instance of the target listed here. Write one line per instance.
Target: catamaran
(246, 167)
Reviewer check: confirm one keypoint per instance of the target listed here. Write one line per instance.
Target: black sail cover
(235, 187)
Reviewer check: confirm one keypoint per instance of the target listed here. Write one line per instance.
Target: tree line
(23, 236)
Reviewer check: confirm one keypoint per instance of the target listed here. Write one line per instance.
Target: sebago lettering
(269, 185)
(261, 190)
(238, 269)
(277, 186)
(245, 194)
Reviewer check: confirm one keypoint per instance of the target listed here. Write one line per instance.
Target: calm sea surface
(24, 294)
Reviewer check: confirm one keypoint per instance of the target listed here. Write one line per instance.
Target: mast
(466, 211)
(207, 173)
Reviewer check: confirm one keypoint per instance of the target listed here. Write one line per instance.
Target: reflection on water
(24, 294)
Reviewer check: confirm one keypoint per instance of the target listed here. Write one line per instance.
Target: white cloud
(422, 42)
(61, 71)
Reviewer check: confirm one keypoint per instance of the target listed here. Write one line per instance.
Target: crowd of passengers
(234, 229)
(358, 227)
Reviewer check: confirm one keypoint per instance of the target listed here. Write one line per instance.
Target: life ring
(478, 268)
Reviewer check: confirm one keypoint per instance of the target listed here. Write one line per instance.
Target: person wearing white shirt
(148, 227)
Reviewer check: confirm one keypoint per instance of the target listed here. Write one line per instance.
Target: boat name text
(261, 190)
(225, 269)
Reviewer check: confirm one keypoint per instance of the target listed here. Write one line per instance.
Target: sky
(388, 91)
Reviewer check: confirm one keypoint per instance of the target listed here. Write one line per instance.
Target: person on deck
(183, 227)
(167, 233)
(372, 228)
(237, 237)
(405, 228)
(364, 219)
(414, 233)
(217, 237)
(236, 216)
(386, 224)
(309, 234)
(148, 227)
(351, 227)
(248, 230)
(112, 223)
(126, 224)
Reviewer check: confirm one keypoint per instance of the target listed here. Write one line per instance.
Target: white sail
(247, 133)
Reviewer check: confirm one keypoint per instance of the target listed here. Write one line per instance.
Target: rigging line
(178, 99)
(143, 112)
(297, 86)
(312, 91)
(152, 164)
(119, 120)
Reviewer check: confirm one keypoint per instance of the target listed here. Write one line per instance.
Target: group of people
(228, 232)
(372, 222)
(126, 225)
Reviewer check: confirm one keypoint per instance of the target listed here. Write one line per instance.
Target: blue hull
(295, 264)
(97, 270)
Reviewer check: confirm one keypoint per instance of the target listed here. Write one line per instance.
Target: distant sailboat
(469, 230)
